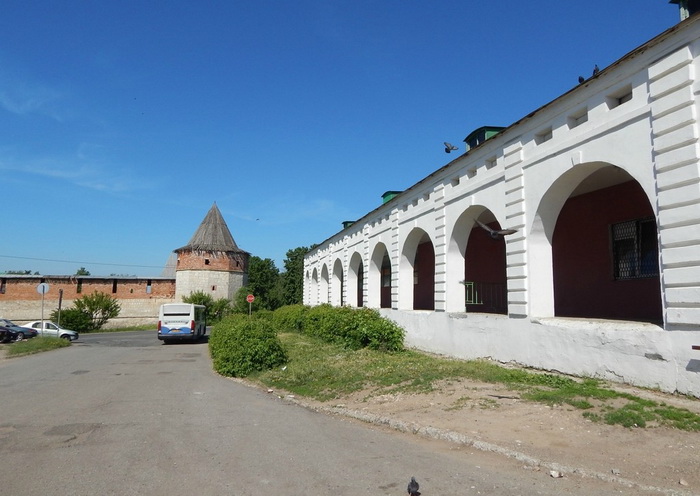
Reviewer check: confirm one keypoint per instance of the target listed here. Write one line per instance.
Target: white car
(51, 329)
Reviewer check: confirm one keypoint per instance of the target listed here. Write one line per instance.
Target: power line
(80, 262)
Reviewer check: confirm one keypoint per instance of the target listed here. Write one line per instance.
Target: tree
(215, 309)
(263, 278)
(82, 271)
(293, 277)
(73, 319)
(99, 306)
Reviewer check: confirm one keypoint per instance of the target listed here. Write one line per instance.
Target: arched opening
(360, 285)
(594, 248)
(417, 276)
(605, 251)
(355, 285)
(337, 284)
(323, 285)
(385, 282)
(313, 297)
(379, 278)
(485, 280)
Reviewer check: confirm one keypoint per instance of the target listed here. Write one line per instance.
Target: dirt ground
(557, 440)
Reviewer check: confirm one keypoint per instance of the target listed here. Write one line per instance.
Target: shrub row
(240, 345)
(354, 328)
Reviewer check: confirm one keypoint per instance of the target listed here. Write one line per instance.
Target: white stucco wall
(522, 177)
(630, 352)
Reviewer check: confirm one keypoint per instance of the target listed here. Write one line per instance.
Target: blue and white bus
(181, 321)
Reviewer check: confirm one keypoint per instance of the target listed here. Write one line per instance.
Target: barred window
(635, 249)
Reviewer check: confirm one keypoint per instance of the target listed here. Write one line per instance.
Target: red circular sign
(250, 298)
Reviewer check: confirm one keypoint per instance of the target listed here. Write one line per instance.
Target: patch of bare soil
(557, 437)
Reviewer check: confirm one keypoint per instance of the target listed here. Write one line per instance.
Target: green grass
(145, 327)
(326, 372)
(35, 345)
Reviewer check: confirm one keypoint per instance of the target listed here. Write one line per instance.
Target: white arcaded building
(602, 274)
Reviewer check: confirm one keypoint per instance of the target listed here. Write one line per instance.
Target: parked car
(52, 329)
(8, 335)
(26, 332)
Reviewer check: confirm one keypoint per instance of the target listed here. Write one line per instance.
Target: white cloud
(25, 99)
(80, 170)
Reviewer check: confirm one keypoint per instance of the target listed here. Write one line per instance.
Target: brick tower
(211, 262)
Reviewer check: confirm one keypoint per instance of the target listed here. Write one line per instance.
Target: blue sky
(122, 122)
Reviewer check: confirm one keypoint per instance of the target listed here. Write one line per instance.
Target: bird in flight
(413, 487)
(449, 147)
(496, 234)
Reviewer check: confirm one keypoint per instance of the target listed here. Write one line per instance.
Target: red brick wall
(212, 261)
(24, 288)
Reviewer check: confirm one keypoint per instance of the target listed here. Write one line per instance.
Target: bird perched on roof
(413, 487)
(496, 234)
(596, 70)
(581, 79)
(449, 147)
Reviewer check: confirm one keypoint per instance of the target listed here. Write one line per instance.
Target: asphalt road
(122, 414)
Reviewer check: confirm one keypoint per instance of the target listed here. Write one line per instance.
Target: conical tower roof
(212, 235)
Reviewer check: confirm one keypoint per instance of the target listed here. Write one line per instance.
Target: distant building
(211, 262)
(568, 241)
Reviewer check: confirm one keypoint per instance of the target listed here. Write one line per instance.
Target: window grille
(635, 249)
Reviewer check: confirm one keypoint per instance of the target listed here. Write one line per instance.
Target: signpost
(250, 299)
(42, 289)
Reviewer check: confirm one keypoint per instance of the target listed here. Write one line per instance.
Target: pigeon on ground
(449, 147)
(413, 487)
(496, 234)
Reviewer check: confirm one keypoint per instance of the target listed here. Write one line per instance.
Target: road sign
(250, 298)
(42, 288)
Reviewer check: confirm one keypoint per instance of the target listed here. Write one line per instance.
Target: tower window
(206, 261)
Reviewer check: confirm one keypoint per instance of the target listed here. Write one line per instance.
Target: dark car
(26, 332)
(7, 335)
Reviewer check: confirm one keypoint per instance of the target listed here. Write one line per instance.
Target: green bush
(289, 318)
(376, 332)
(100, 307)
(240, 346)
(88, 313)
(73, 319)
(353, 328)
(265, 315)
(215, 309)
